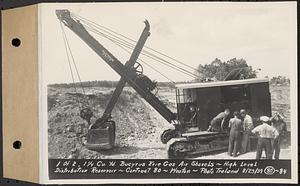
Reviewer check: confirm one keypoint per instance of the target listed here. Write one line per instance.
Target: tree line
(102, 83)
(217, 70)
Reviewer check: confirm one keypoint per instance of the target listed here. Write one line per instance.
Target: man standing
(247, 127)
(216, 124)
(280, 126)
(265, 134)
(236, 127)
(193, 113)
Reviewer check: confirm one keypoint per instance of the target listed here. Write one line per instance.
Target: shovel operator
(216, 124)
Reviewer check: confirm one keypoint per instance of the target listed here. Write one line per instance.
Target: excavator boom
(141, 84)
(133, 58)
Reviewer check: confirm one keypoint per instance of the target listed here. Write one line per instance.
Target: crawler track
(197, 144)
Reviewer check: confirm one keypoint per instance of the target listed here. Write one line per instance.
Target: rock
(70, 128)
(50, 131)
(69, 136)
(58, 131)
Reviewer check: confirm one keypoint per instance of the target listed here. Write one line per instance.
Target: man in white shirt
(265, 134)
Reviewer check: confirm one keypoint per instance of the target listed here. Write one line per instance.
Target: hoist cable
(73, 61)
(120, 40)
(170, 65)
(139, 88)
(101, 27)
(149, 55)
(182, 63)
(145, 47)
(121, 44)
(124, 45)
(67, 52)
(146, 53)
(109, 37)
(144, 62)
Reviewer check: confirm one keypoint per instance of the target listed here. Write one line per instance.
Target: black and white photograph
(169, 81)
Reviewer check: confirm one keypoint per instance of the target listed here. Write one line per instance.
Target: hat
(264, 118)
(242, 111)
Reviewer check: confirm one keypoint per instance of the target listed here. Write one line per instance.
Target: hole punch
(16, 42)
(17, 144)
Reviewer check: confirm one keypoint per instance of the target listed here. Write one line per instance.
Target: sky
(264, 34)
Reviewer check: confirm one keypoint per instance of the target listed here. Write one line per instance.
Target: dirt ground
(138, 125)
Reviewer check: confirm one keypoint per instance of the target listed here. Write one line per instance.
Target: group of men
(269, 133)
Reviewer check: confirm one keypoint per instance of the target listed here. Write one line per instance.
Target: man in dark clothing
(247, 127)
(193, 113)
(279, 124)
(236, 127)
(216, 124)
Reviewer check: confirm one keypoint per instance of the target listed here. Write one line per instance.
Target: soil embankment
(138, 126)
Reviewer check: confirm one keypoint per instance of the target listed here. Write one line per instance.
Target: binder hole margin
(17, 144)
(16, 42)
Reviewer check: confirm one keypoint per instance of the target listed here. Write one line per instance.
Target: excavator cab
(213, 97)
(210, 99)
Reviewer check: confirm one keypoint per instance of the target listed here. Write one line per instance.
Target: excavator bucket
(101, 138)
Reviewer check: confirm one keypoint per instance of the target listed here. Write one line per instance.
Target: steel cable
(147, 54)
(113, 34)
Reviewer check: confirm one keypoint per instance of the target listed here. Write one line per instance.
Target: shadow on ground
(127, 150)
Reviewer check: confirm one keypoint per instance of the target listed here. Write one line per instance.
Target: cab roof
(221, 83)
